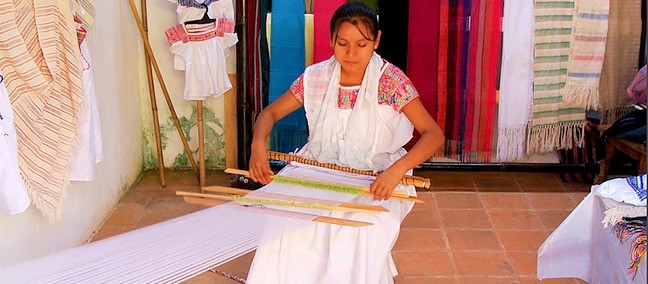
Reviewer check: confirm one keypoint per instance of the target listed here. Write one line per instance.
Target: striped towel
(586, 53)
(555, 124)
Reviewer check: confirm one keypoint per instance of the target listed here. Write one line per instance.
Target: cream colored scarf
(39, 58)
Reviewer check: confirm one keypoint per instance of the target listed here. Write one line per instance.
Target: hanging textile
(253, 52)
(202, 49)
(423, 53)
(257, 54)
(87, 150)
(586, 53)
(442, 58)
(516, 82)
(483, 66)
(457, 59)
(188, 10)
(585, 155)
(85, 10)
(13, 194)
(287, 56)
(39, 57)
(393, 19)
(555, 124)
(323, 11)
(620, 61)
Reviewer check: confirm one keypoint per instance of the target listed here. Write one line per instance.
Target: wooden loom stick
(158, 73)
(320, 219)
(326, 185)
(416, 181)
(348, 207)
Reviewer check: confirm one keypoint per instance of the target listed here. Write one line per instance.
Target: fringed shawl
(40, 58)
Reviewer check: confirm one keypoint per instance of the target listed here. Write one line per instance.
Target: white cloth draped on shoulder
(361, 138)
(369, 136)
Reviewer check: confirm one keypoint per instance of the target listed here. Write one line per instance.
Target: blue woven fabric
(287, 60)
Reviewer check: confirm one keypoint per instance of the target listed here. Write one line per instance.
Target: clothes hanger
(204, 20)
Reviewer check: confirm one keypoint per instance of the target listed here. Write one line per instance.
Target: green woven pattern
(352, 189)
(261, 201)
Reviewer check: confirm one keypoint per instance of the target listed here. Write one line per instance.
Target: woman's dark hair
(354, 13)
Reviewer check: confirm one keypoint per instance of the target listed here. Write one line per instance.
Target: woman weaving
(361, 110)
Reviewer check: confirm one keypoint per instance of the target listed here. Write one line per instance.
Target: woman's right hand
(260, 165)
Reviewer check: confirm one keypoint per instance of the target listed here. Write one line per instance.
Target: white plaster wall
(117, 63)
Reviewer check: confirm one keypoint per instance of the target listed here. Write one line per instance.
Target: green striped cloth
(555, 125)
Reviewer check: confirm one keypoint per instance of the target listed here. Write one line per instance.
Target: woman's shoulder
(394, 76)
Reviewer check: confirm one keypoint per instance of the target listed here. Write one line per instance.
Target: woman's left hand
(385, 183)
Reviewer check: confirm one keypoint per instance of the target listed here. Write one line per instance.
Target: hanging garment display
(516, 82)
(202, 48)
(322, 13)
(87, 150)
(13, 194)
(620, 61)
(423, 53)
(287, 62)
(39, 57)
(555, 123)
(586, 53)
(189, 10)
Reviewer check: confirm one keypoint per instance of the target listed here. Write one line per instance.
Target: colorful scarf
(287, 56)
(555, 124)
(586, 53)
(467, 76)
(39, 57)
(516, 83)
(620, 62)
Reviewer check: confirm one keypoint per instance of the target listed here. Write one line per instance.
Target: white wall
(116, 52)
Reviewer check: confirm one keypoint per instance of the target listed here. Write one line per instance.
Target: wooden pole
(201, 142)
(231, 130)
(156, 68)
(154, 108)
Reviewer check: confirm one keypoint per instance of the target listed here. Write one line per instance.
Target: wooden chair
(635, 150)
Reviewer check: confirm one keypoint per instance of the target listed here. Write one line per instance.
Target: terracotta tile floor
(476, 227)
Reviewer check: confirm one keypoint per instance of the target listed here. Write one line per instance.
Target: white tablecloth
(581, 248)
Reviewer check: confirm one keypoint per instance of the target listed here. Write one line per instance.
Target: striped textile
(586, 53)
(322, 13)
(39, 57)
(442, 93)
(287, 56)
(620, 62)
(555, 124)
(457, 54)
(423, 53)
(483, 64)
(516, 81)
(469, 50)
(85, 10)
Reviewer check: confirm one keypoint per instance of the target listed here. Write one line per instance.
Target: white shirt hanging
(13, 193)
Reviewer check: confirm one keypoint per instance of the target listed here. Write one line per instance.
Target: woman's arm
(431, 140)
(259, 165)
